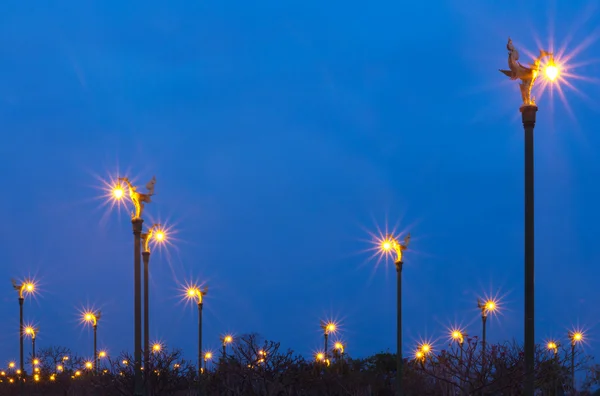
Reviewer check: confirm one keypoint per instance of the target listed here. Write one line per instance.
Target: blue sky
(280, 135)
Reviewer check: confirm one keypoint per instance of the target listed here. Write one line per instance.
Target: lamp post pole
(388, 245)
(399, 361)
(146, 259)
(528, 117)
(528, 75)
(21, 335)
(200, 359)
(137, 306)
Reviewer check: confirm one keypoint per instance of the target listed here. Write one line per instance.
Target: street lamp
(528, 75)
(32, 332)
(458, 336)
(575, 337)
(328, 328)
(339, 348)
(207, 357)
(138, 199)
(154, 234)
(24, 288)
(487, 307)
(196, 294)
(226, 339)
(92, 318)
(391, 245)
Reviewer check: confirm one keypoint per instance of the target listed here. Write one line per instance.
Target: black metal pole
(200, 379)
(528, 114)
(21, 335)
(326, 337)
(573, 366)
(96, 349)
(33, 352)
(137, 305)
(399, 361)
(146, 257)
(483, 341)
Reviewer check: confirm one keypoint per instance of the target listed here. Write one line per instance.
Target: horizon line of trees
(259, 367)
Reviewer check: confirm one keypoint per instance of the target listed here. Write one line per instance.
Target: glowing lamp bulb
(320, 356)
(118, 192)
(159, 236)
(208, 356)
(156, 347)
(490, 306)
(88, 365)
(102, 354)
(456, 334)
(29, 287)
(425, 348)
(551, 72)
(577, 336)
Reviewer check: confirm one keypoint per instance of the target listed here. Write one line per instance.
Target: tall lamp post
(93, 318)
(388, 245)
(158, 235)
(196, 294)
(328, 328)
(575, 337)
(528, 75)
(32, 332)
(487, 307)
(225, 340)
(24, 288)
(138, 199)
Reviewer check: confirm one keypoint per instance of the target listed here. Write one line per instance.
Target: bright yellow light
(3, 373)
(30, 331)
(160, 236)
(11, 365)
(329, 327)
(426, 348)
(89, 365)
(91, 317)
(19, 371)
(551, 71)
(125, 362)
(456, 334)
(60, 367)
(490, 306)
(227, 339)
(387, 245)
(52, 377)
(157, 347)
(36, 362)
(29, 287)
(65, 358)
(208, 356)
(36, 377)
(419, 355)
(338, 345)
(552, 345)
(577, 336)
(37, 369)
(118, 192)
(102, 354)
(77, 373)
(320, 356)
